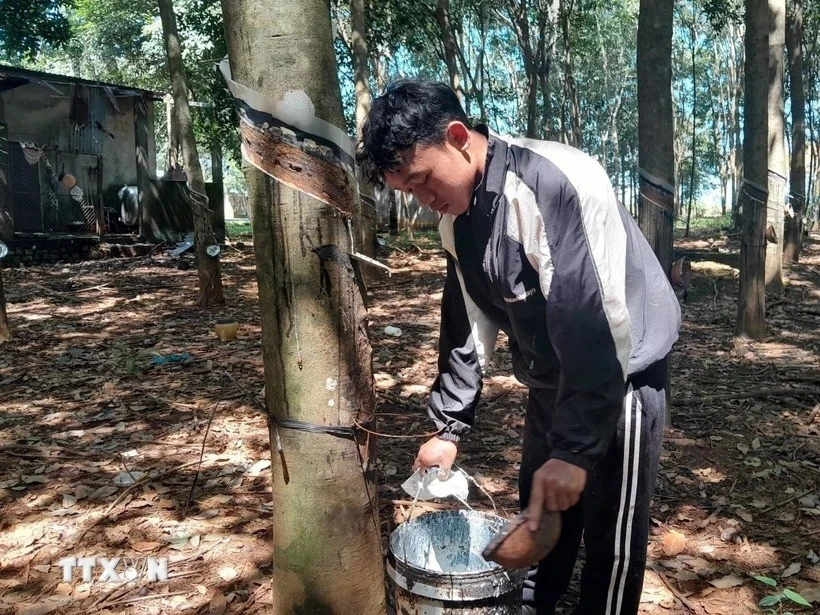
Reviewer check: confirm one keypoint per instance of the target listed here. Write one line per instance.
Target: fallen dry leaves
(101, 446)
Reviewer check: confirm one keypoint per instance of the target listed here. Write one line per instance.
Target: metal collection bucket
(435, 567)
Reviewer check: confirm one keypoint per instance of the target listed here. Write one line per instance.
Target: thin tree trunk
(450, 53)
(794, 223)
(777, 151)
(326, 545)
(616, 158)
(633, 189)
(737, 81)
(393, 209)
(720, 125)
(405, 215)
(520, 23)
(656, 156)
(811, 188)
(5, 328)
(574, 136)
(693, 35)
(365, 216)
(358, 20)
(210, 278)
(751, 304)
(548, 123)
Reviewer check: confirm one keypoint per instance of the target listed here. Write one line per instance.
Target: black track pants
(613, 514)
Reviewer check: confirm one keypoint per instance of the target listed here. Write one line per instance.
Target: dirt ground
(100, 446)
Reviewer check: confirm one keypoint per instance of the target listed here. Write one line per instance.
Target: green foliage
(238, 228)
(766, 580)
(778, 599)
(28, 26)
(795, 597)
(121, 41)
(722, 12)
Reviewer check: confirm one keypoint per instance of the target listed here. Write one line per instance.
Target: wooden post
(143, 165)
(6, 228)
(99, 208)
(218, 200)
(5, 329)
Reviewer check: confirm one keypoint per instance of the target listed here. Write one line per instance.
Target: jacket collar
(491, 185)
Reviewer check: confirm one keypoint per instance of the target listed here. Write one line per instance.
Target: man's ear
(458, 135)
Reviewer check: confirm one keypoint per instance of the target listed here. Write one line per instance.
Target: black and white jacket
(547, 254)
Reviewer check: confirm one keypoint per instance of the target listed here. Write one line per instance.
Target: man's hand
(556, 485)
(436, 452)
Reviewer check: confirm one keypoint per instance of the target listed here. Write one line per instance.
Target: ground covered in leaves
(102, 429)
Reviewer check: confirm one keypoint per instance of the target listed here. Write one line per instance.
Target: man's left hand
(556, 485)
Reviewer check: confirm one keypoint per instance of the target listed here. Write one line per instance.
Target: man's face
(440, 176)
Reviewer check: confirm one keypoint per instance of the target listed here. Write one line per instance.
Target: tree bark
(393, 212)
(520, 24)
(6, 230)
(144, 187)
(5, 328)
(751, 304)
(777, 151)
(656, 156)
(361, 73)
(210, 278)
(450, 53)
(737, 96)
(327, 553)
(797, 177)
(693, 41)
(573, 136)
(366, 216)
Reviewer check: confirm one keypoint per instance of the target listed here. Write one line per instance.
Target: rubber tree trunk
(6, 229)
(5, 329)
(210, 277)
(656, 150)
(326, 545)
(793, 232)
(573, 135)
(393, 212)
(450, 51)
(693, 44)
(366, 216)
(751, 303)
(777, 149)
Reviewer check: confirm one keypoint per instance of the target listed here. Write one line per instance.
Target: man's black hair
(409, 111)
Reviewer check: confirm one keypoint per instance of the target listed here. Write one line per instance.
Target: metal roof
(12, 77)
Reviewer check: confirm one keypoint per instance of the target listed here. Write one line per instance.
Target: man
(538, 246)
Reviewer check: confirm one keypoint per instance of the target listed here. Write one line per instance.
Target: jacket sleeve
(588, 324)
(465, 341)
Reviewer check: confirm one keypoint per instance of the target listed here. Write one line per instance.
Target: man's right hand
(436, 452)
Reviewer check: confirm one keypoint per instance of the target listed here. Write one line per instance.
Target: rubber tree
(442, 14)
(751, 302)
(6, 229)
(210, 277)
(793, 231)
(5, 329)
(777, 150)
(366, 219)
(656, 152)
(318, 360)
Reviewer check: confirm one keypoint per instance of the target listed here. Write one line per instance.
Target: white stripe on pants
(620, 565)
